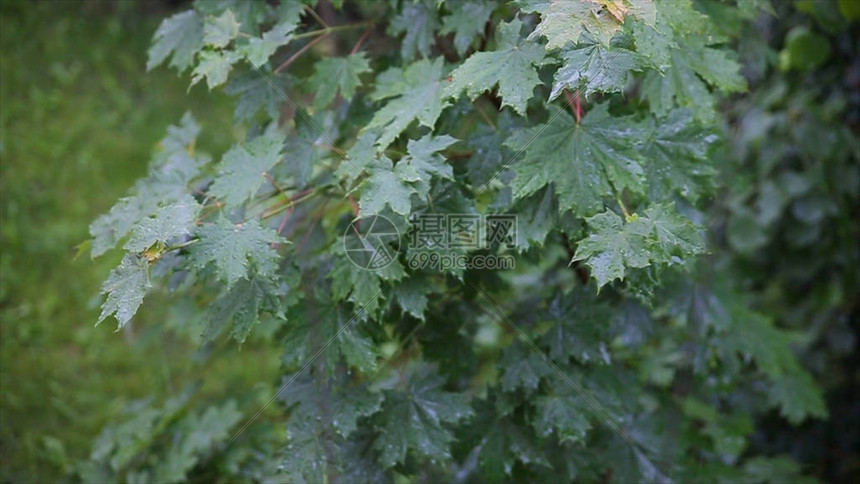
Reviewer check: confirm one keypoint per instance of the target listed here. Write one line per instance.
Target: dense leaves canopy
(625, 344)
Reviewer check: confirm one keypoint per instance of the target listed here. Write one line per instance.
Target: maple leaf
(125, 288)
(419, 20)
(676, 148)
(563, 414)
(170, 171)
(195, 436)
(613, 246)
(422, 154)
(512, 66)
(393, 185)
(318, 440)
(416, 419)
(504, 444)
(466, 21)
(255, 92)
(585, 162)
(522, 368)
(414, 93)
(685, 82)
(797, 397)
(388, 185)
(673, 234)
(489, 153)
(167, 223)
(235, 249)
(594, 67)
(660, 236)
(564, 21)
(258, 49)
(359, 157)
(337, 74)
(215, 66)
(242, 168)
(240, 304)
(180, 37)
(219, 31)
(537, 216)
(411, 295)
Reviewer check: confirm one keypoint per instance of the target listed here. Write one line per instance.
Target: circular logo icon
(371, 242)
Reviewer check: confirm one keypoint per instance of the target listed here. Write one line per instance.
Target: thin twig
(275, 184)
(316, 16)
(573, 99)
(299, 53)
(314, 33)
(484, 115)
(361, 39)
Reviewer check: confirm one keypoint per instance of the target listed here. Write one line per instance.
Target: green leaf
(586, 162)
(504, 444)
(661, 236)
(119, 444)
(240, 304)
(613, 245)
(512, 66)
(388, 185)
(653, 44)
(466, 21)
(683, 85)
(308, 145)
(219, 31)
(424, 158)
(170, 172)
(215, 66)
(674, 235)
(236, 249)
(537, 216)
(125, 288)
(180, 37)
(419, 20)
(242, 168)
(677, 151)
(362, 155)
(563, 415)
(803, 50)
(393, 185)
(249, 13)
(361, 287)
(337, 74)
(411, 296)
(489, 155)
(522, 368)
(358, 350)
(195, 436)
(594, 67)
(255, 92)
(167, 223)
(415, 94)
(797, 397)
(563, 21)
(579, 328)
(258, 49)
(311, 443)
(773, 470)
(416, 420)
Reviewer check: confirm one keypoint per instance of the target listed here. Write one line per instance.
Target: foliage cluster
(637, 338)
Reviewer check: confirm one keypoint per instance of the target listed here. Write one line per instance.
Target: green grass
(80, 118)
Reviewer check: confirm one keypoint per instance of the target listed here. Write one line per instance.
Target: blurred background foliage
(80, 117)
